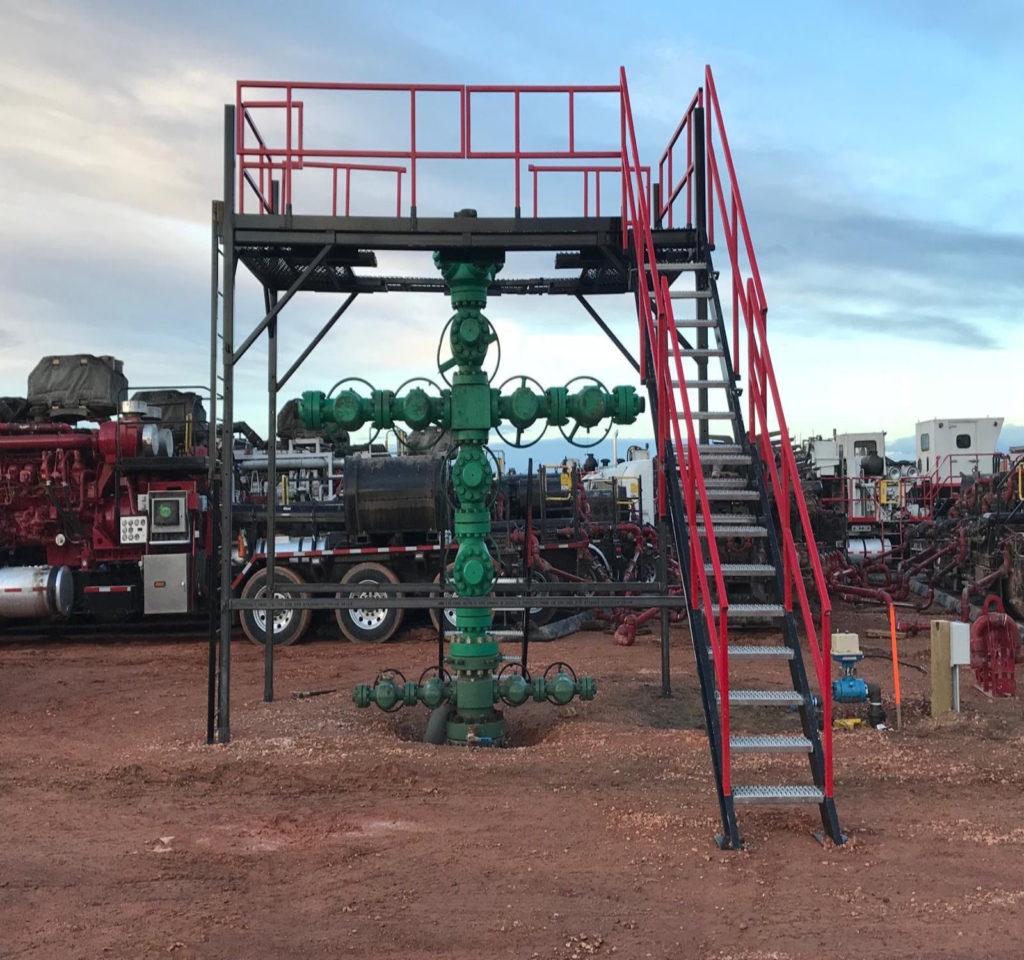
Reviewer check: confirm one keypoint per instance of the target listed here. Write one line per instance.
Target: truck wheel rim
(369, 618)
(282, 618)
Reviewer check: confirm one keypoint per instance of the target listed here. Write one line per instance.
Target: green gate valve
(514, 690)
(418, 409)
(348, 409)
(385, 694)
(561, 688)
(389, 695)
(588, 407)
(433, 692)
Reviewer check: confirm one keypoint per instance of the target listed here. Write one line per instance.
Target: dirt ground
(325, 831)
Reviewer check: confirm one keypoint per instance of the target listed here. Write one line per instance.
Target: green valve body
(470, 409)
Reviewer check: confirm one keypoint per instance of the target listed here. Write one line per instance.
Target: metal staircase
(729, 483)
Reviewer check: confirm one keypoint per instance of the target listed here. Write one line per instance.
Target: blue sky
(878, 146)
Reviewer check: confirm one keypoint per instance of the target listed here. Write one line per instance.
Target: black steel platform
(276, 249)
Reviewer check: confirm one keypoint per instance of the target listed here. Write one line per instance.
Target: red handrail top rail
(289, 150)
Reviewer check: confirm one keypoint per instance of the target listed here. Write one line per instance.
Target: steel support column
(226, 453)
(211, 578)
(271, 563)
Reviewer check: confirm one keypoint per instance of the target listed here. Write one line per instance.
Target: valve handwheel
(432, 671)
(526, 404)
(515, 669)
(395, 677)
(443, 366)
(552, 673)
(571, 435)
(365, 383)
(420, 418)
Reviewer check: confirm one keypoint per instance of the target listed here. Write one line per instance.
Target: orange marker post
(895, 667)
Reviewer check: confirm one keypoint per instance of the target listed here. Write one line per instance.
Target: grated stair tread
(740, 610)
(701, 353)
(769, 743)
(683, 265)
(703, 448)
(703, 384)
(725, 458)
(708, 415)
(731, 493)
(690, 294)
(724, 483)
(778, 794)
(726, 519)
(697, 322)
(733, 530)
(756, 650)
(763, 698)
(743, 569)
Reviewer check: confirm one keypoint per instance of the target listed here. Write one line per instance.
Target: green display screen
(167, 513)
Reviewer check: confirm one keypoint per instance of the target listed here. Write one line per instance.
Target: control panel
(134, 529)
(168, 517)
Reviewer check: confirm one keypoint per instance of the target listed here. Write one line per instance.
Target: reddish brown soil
(323, 831)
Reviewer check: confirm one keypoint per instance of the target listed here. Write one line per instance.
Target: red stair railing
(765, 404)
(661, 333)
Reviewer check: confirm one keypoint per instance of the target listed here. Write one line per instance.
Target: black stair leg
(830, 821)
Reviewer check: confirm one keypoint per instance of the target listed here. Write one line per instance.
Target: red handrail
(665, 343)
(765, 405)
(536, 169)
(259, 158)
(666, 165)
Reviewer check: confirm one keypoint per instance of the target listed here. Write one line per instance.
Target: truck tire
(449, 612)
(369, 624)
(539, 616)
(289, 625)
